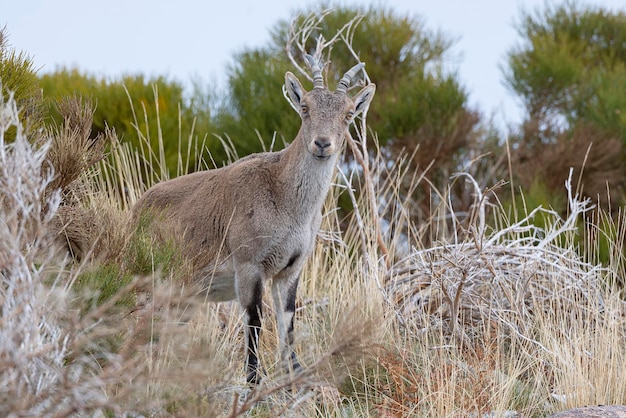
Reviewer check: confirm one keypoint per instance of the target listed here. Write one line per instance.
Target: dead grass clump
(90, 230)
(73, 150)
(85, 228)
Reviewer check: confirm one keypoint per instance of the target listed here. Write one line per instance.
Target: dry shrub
(55, 358)
(32, 345)
(510, 314)
(86, 227)
(73, 150)
(507, 275)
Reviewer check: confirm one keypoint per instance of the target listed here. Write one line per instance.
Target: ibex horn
(344, 83)
(316, 69)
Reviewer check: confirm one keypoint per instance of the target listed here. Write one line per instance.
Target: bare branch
(300, 33)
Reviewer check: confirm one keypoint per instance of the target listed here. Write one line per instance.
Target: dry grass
(506, 320)
(511, 321)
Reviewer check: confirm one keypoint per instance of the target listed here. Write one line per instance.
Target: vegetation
(472, 329)
(18, 78)
(499, 310)
(138, 108)
(570, 73)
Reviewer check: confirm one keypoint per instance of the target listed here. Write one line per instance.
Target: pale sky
(192, 38)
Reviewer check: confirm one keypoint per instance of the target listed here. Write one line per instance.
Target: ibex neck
(309, 177)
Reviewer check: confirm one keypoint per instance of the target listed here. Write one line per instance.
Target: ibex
(258, 217)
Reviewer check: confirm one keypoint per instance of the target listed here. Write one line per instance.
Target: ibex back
(257, 218)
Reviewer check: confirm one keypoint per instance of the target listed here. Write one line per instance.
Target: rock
(603, 411)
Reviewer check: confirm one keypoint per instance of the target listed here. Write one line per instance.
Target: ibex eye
(304, 109)
(349, 116)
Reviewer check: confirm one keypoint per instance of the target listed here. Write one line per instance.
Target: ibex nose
(322, 143)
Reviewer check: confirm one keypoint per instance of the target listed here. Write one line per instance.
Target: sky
(197, 39)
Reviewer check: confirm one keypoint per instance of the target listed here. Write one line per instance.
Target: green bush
(102, 282)
(19, 77)
(153, 248)
(144, 111)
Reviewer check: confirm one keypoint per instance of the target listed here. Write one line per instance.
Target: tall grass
(504, 318)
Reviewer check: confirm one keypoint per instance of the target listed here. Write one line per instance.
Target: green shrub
(19, 77)
(153, 248)
(102, 282)
(143, 111)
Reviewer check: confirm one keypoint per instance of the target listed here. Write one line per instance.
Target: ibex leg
(250, 295)
(284, 295)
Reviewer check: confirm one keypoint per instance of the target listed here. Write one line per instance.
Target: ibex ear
(294, 89)
(363, 98)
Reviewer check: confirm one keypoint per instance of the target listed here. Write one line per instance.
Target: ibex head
(326, 115)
